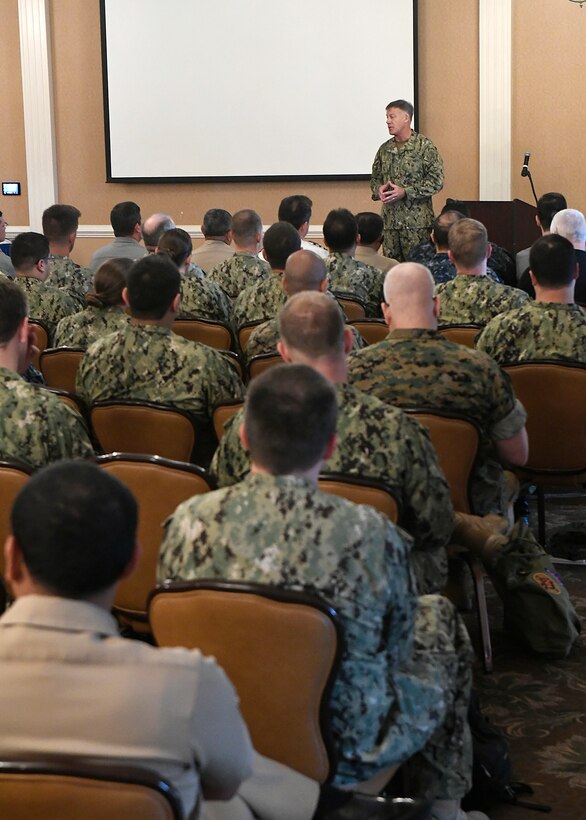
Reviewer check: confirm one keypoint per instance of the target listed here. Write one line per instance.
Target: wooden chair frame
(222, 413)
(216, 334)
(369, 491)
(258, 364)
(352, 305)
(59, 366)
(462, 334)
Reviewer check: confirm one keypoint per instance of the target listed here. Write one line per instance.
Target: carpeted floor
(541, 704)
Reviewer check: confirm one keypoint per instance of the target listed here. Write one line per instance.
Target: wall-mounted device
(11, 189)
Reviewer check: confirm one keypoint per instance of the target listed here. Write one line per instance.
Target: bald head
(311, 326)
(441, 228)
(570, 224)
(304, 270)
(409, 297)
(153, 229)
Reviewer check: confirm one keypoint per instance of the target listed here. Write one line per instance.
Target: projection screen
(259, 90)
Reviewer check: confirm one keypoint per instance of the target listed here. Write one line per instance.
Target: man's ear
(331, 446)
(489, 251)
(243, 437)
(533, 279)
(176, 303)
(386, 313)
(437, 302)
(13, 561)
(125, 297)
(283, 352)
(348, 339)
(451, 257)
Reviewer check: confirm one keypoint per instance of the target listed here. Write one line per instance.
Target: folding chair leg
(541, 515)
(477, 571)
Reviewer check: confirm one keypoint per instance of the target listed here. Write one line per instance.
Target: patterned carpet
(541, 704)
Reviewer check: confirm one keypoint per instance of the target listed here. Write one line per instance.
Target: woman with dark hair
(105, 308)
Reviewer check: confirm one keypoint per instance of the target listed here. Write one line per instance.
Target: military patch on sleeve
(546, 582)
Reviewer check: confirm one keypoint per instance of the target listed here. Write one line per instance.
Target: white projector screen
(264, 89)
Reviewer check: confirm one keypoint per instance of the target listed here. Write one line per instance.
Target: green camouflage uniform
(443, 270)
(238, 272)
(150, 363)
(419, 368)
(376, 441)
(404, 681)
(418, 168)
(538, 330)
(67, 274)
(259, 302)
(347, 275)
(35, 426)
(203, 300)
(48, 303)
(476, 299)
(264, 338)
(83, 328)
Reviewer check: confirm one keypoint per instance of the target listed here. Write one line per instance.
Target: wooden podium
(509, 224)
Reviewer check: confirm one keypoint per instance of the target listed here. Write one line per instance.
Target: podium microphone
(525, 168)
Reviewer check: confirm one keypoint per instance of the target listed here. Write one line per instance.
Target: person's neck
(9, 357)
(478, 270)
(416, 323)
(166, 322)
(311, 474)
(246, 248)
(60, 248)
(333, 368)
(33, 273)
(403, 135)
(560, 296)
(216, 239)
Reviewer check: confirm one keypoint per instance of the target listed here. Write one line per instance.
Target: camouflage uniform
(67, 274)
(48, 303)
(35, 426)
(238, 272)
(443, 270)
(538, 330)
(347, 275)
(201, 299)
(404, 680)
(476, 299)
(419, 368)
(418, 168)
(259, 302)
(150, 363)
(264, 338)
(83, 328)
(376, 441)
(501, 267)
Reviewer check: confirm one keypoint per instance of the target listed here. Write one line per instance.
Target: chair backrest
(213, 334)
(258, 364)
(461, 334)
(42, 338)
(71, 400)
(354, 308)
(281, 650)
(59, 366)
(554, 396)
(70, 788)
(362, 491)
(143, 427)
(371, 330)
(159, 486)
(13, 477)
(245, 332)
(455, 440)
(222, 413)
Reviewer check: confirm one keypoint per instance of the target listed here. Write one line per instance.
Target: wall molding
(105, 231)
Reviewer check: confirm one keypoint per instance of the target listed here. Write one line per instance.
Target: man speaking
(407, 171)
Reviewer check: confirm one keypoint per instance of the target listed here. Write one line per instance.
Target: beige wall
(547, 118)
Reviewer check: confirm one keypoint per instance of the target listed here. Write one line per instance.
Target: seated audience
(6, 266)
(404, 681)
(244, 268)
(345, 273)
(35, 426)
(370, 240)
(440, 265)
(126, 223)
(547, 207)
(374, 440)
(571, 224)
(551, 327)
(415, 366)
(154, 227)
(262, 301)
(217, 230)
(105, 311)
(473, 297)
(30, 257)
(296, 209)
(60, 224)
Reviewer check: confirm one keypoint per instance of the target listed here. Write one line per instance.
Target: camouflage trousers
(398, 244)
(430, 568)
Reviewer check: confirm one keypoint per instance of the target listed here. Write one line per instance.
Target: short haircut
(547, 206)
(27, 249)
(13, 309)
(468, 241)
(290, 416)
(82, 534)
(280, 241)
(570, 223)
(176, 244)
(403, 105)
(246, 224)
(552, 260)
(304, 270)
(59, 221)
(153, 283)
(312, 323)
(340, 230)
(370, 226)
(456, 205)
(109, 282)
(442, 225)
(154, 227)
(216, 222)
(124, 217)
(295, 209)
